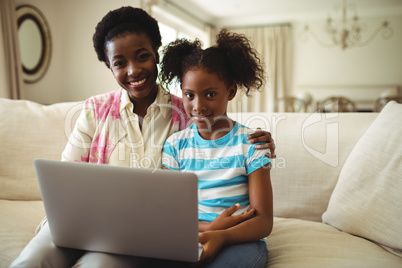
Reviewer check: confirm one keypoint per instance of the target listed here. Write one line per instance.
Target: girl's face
(205, 99)
(133, 64)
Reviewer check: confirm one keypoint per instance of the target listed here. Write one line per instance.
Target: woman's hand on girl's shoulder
(264, 137)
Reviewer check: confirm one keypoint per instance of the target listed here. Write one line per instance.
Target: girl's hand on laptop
(264, 137)
(212, 242)
(225, 220)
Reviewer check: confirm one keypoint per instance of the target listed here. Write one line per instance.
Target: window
(175, 26)
(170, 34)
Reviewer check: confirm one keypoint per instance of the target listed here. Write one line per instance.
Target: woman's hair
(232, 59)
(121, 21)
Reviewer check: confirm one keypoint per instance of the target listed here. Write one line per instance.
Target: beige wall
(75, 73)
(364, 71)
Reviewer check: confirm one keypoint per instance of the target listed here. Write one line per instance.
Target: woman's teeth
(138, 82)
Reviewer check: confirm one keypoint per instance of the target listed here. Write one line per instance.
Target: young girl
(233, 176)
(125, 127)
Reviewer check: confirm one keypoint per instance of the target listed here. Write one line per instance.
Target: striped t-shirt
(222, 167)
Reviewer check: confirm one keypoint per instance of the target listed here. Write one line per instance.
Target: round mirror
(34, 41)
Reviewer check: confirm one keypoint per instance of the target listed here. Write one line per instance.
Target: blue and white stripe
(222, 167)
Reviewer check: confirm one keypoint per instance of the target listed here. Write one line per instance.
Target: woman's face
(133, 62)
(205, 99)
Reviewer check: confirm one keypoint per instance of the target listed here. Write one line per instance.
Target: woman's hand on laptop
(226, 219)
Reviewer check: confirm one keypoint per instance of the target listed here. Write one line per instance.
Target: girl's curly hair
(232, 59)
(121, 21)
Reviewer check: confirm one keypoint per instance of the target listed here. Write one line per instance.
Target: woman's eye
(118, 64)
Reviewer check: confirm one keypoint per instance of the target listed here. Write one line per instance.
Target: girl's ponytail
(243, 62)
(174, 57)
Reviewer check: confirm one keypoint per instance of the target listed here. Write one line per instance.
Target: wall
(45, 89)
(361, 73)
(75, 73)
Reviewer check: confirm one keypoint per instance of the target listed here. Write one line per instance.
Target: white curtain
(11, 85)
(274, 45)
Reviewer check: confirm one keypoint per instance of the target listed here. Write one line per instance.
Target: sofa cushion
(17, 227)
(367, 198)
(299, 243)
(30, 130)
(311, 150)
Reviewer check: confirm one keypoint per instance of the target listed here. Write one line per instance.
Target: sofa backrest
(311, 150)
(29, 130)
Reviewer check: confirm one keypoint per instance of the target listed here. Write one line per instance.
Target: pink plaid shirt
(98, 130)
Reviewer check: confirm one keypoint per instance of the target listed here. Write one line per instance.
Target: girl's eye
(211, 94)
(189, 95)
(143, 57)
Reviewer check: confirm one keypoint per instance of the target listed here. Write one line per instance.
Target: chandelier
(346, 33)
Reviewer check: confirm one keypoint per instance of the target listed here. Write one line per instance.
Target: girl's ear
(232, 92)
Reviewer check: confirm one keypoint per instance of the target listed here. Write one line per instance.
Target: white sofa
(312, 153)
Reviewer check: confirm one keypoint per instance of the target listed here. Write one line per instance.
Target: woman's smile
(139, 83)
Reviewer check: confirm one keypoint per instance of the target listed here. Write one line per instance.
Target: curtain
(11, 68)
(273, 43)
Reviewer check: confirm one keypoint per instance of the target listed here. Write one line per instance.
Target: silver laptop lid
(141, 212)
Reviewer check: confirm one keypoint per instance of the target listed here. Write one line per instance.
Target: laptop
(140, 212)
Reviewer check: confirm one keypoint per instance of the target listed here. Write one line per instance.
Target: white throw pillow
(367, 200)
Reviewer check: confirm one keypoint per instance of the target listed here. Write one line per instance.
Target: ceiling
(256, 12)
